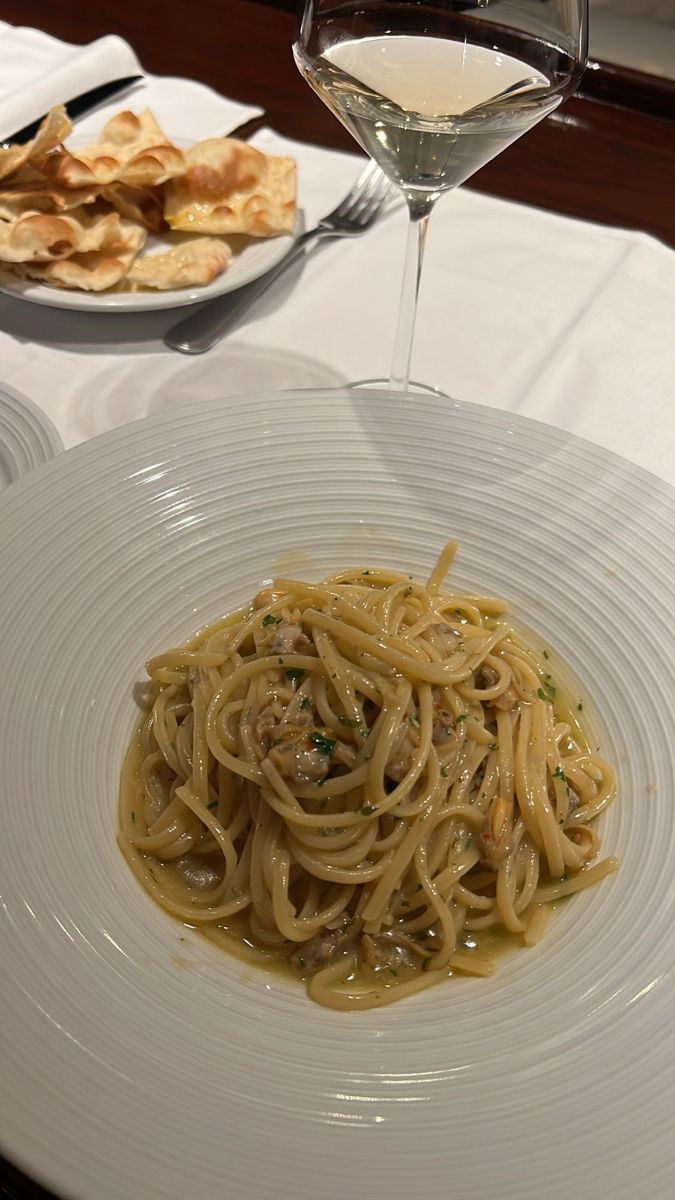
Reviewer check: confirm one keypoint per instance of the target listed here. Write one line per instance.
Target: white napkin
(524, 310)
(39, 71)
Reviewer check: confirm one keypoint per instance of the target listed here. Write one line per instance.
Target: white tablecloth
(561, 320)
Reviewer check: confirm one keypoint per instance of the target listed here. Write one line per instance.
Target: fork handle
(202, 329)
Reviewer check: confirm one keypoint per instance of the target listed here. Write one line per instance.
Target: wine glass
(433, 91)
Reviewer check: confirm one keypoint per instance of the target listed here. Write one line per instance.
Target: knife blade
(76, 107)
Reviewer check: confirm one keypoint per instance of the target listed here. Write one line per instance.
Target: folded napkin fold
(39, 71)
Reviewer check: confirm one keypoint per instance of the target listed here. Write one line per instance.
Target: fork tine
(367, 208)
(368, 176)
(377, 182)
(371, 202)
(370, 171)
(365, 212)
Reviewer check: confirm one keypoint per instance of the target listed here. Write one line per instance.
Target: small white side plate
(27, 436)
(251, 258)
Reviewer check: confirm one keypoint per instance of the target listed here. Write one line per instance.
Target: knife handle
(76, 107)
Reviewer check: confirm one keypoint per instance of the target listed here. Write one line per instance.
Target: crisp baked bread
(55, 127)
(131, 149)
(44, 237)
(230, 187)
(90, 271)
(198, 261)
(77, 218)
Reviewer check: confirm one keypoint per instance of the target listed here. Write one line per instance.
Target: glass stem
(419, 211)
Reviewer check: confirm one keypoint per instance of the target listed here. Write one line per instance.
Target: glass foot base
(383, 385)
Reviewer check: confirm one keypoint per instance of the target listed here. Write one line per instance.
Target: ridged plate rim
(27, 436)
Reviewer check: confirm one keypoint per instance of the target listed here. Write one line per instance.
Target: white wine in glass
(432, 92)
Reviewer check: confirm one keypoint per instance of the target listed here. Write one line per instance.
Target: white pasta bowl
(140, 1061)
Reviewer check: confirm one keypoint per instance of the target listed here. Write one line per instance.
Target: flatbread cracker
(143, 205)
(30, 191)
(192, 263)
(77, 218)
(92, 271)
(230, 187)
(132, 149)
(55, 127)
(44, 237)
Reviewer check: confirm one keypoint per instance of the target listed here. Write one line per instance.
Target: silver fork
(356, 213)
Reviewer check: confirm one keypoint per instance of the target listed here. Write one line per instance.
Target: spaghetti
(365, 778)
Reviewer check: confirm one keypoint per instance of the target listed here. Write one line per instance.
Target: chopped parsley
(559, 773)
(324, 745)
(294, 673)
(545, 653)
(444, 772)
(305, 703)
(458, 720)
(366, 572)
(270, 619)
(580, 706)
(133, 816)
(393, 971)
(349, 721)
(367, 809)
(213, 804)
(492, 746)
(542, 694)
